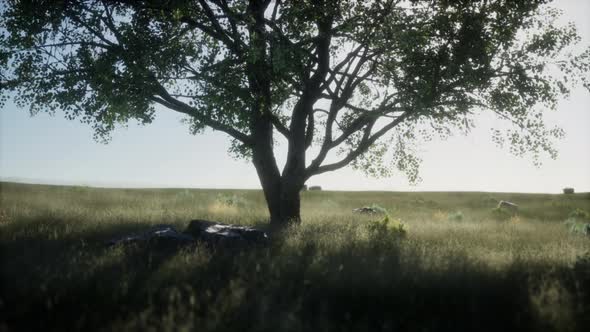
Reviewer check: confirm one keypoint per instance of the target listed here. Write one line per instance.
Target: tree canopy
(359, 78)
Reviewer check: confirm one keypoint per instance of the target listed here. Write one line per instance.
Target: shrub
(456, 216)
(387, 228)
(579, 214)
(580, 228)
(578, 222)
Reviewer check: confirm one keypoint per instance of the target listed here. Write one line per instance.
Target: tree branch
(280, 127)
(309, 131)
(365, 143)
(172, 103)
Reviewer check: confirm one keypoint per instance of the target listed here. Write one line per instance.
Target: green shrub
(456, 216)
(578, 222)
(580, 228)
(579, 214)
(387, 228)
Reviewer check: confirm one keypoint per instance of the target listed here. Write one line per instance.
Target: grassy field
(458, 267)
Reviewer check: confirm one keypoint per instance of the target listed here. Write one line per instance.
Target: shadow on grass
(72, 281)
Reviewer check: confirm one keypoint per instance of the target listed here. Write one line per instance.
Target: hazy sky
(47, 149)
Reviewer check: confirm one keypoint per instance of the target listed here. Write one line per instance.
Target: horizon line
(18, 180)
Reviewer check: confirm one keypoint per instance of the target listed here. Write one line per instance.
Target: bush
(579, 227)
(456, 216)
(578, 222)
(579, 214)
(387, 228)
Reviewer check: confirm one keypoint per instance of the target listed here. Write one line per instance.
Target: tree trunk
(280, 192)
(266, 167)
(284, 204)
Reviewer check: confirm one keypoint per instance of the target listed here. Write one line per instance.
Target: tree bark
(266, 166)
(282, 195)
(281, 191)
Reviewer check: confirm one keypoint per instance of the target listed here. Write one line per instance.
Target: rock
(211, 233)
(508, 206)
(568, 190)
(162, 236)
(318, 188)
(369, 210)
(225, 235)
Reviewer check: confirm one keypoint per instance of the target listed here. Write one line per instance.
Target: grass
(333, 273)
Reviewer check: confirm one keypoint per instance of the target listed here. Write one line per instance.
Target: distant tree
(344, 82)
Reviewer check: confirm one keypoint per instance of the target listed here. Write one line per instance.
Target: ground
(450, 263)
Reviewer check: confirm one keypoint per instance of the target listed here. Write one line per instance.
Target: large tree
(360, 78)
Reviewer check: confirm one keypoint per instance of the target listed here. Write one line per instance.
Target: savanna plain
(436, 261)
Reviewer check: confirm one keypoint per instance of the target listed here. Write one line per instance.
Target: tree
(360, 78)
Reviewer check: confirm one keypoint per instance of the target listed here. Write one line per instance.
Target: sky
(53, 150)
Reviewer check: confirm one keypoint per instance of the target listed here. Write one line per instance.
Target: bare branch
(280, 126)
(365, 143)
(309, 131)
(172, 103)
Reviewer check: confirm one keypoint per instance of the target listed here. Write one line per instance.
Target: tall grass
(332, 273)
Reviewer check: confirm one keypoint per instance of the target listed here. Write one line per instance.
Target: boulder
(508, 206)
(369, 210)
(318, 188)
(225, 235)
(161, 236)
(568, 190)
(211, 233)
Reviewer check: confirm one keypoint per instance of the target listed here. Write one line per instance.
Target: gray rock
(211, 233)
(508, 206)
(368, 210)
(225, 235)
(568, 190)
(318, 188)
(164, 236)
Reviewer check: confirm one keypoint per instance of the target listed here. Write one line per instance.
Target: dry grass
(330, 273)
